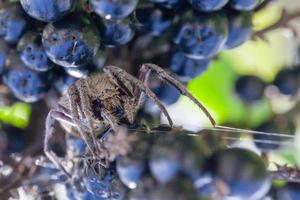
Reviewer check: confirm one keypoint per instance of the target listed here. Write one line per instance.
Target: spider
(100, 101)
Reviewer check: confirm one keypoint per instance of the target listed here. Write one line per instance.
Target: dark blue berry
(32, 52)
(290, 191)
(12, 23)
(76, 145)
(268, 127)
(240, 28)
(250, 88)
(16, 139)
(287, 82)
(71, 42)
(106, 186)
(242, 171)
(172, 153)
(92, 67)
(25, 84)
(201, 36)
(113, 9)
(153, 21)
(208, 5)
(278, 124)
(143, 189)
(131, 168)
(170, 4)
(116, 33)
(47, 10)
(187, 68)
(178, 189)
(73, 194)
(244, 5)
(167, 93)
(62, 80)
(4, 51)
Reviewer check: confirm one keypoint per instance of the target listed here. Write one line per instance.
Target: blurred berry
(76, 146)
(71, 42)
(242, 172)
(116, 33)
(268, 127)
(116, 9)
(240, 28)
(244, 5)
(154, 21)
(167, 93)
(187, 68)
(32, 52)
(249, 88)
(201, 36)
(131, 168)
(12, 23)
(25, 84)
(47, 10)
(290, 191)
(4, 51)
(287, 82)
(106, 186)
(165, 159)
(178, 189)
(16, 140)
(278, 124)
(208, 5)
(62, 80)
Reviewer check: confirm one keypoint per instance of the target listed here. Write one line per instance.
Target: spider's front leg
(145, 71)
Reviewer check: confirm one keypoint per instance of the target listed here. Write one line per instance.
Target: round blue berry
(244, 5)
(25, 84)
(32, 52)
(250, 88)
(116, 33)
(208, 5)
(201, 36)
(71, 42)
(115, 9)
(167, 93)
(242, 171)
(61, 80)
(240, 28)
(154, 21)
(187, 68)
(12, 23)
(287, 82)
(47, 10)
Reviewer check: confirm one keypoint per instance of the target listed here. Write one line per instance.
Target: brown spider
(93, 104)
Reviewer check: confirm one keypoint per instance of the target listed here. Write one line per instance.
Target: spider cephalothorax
(100, 101)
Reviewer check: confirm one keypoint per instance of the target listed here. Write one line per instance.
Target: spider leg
(82, 87)
(73, 98)
(50, 121)
(145, 72)
(118, 74)
(113, 122)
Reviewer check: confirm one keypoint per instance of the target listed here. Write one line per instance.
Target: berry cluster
(45, 42)
(164, 164)
(46, 45)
